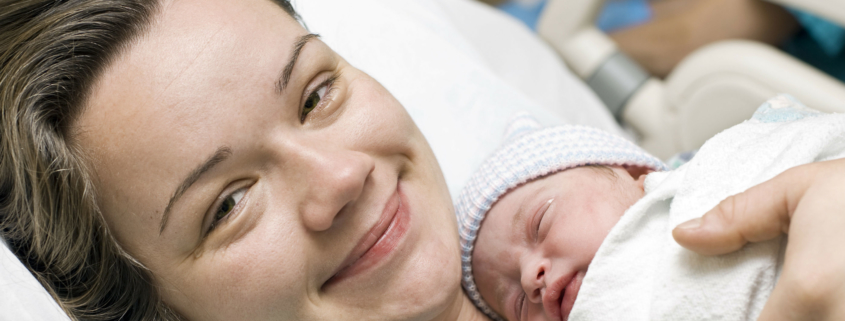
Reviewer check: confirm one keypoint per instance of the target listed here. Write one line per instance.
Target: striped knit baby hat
(531, 152)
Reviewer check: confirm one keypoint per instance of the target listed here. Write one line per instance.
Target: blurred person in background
(658, 34)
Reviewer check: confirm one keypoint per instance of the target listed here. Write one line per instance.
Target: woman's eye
(316, 97)
(312, 101)
(226, 206)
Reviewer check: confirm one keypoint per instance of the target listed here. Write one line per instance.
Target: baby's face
(537, 241)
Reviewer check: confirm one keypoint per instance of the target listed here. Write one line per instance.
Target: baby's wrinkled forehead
(520, 191)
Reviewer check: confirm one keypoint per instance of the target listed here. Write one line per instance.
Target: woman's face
(259, 176)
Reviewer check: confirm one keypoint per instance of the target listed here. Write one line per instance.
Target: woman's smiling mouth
(379, 242)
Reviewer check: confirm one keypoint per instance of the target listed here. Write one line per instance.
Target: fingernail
(691, 224)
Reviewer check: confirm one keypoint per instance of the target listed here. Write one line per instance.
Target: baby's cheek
(484, 260)
(487, 264)
(486, 279)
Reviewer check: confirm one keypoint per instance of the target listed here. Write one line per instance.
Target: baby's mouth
(570, 293)
(553, 297)
(560, 295)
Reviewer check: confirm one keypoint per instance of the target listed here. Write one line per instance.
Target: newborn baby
(552, 200)
(539, 239)
(564, 189)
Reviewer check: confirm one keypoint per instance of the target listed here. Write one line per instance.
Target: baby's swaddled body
(641, 273)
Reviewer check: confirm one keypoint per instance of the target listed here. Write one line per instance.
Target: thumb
(759, 214)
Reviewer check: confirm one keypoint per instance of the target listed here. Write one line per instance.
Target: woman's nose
(334, 179)
(532, 277)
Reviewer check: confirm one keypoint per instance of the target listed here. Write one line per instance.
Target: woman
(212, 160)
(245, 170)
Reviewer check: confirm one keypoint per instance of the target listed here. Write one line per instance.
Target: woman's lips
(560, 296)
(379, 242)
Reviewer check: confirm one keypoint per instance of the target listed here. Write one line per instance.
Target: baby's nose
(533, 280)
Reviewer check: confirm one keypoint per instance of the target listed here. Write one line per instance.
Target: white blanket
(641, 273)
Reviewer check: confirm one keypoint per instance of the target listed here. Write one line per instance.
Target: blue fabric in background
(830, 36)
(621, 14)
(615, 15)
(526, 12)
(820, 44)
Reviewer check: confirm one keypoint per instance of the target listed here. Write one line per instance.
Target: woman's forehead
(193, 63)
(198, 57)
(176, 94)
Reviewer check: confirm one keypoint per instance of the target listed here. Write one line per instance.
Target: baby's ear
(638, 171)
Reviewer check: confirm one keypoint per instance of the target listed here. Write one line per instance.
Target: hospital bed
(714, 88)
(461, 68)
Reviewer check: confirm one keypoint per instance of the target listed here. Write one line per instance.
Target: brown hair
(51, 51)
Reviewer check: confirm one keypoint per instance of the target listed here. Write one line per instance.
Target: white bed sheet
(515, 54)
(22, 298)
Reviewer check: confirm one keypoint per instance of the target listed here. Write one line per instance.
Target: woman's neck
(462, 310)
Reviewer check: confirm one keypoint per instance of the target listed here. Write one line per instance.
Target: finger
(759, 214)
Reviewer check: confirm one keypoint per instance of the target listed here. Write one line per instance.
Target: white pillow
(461, 104)
(515, 54)
(21, 296)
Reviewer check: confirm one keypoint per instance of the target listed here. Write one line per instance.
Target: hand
(806, 202)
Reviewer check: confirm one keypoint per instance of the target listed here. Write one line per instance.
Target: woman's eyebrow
(219, 156)
(297, 48)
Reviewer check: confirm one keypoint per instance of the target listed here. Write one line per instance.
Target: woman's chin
(431, 274)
